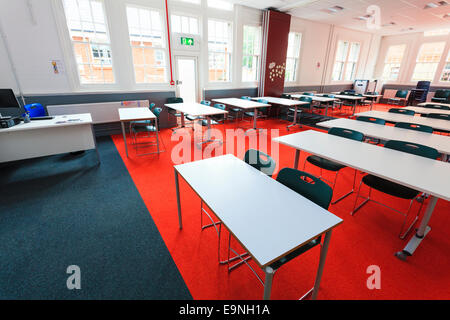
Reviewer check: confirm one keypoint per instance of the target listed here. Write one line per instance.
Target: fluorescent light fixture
(438, 32)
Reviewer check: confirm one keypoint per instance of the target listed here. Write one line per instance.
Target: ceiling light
(431, 5)
(334, 9)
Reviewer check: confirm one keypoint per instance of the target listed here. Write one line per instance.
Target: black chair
(260, 161)
(405, 112)
(442, 96)
(441, 116)
(371, 120)
(436, 106)
(394, 189)
(325, 164)
(413, 126)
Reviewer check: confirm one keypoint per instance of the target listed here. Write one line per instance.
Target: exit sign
(187, 41)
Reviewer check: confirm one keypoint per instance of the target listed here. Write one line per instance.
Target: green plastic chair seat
(324, 163)
(389, 187)
(276, 265)
(139, 129)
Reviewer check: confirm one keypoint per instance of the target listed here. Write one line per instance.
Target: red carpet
(368, 238)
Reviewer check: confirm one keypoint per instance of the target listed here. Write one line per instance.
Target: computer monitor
(8, 100)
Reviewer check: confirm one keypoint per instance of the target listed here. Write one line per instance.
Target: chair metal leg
(348, 193)
(403, 236)
(358, 196)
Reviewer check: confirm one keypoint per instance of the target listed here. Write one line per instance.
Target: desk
(372, 98)
(437, 124)
(268, 227)
(63, 134)
(421, 110)
(245, 105)
(136, 114)
(319, 99)
(353, 99)
(371, 130)
(197, 110)
(422, 174)
(286, 103)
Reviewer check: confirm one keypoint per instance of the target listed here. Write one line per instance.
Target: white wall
(34, 45)
(413, 42)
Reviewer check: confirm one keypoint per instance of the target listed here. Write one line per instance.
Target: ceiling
(407, 15)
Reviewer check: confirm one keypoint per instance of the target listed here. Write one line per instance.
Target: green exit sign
(187, 41)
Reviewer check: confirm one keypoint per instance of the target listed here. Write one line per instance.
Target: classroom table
(353, 99)
(386, 133)
(137, 114)
(436, 124)
(40, 138)
(244, 104)
(286, 103)
(426, 111)
(269, 221)
(325, 100)
(372, 98)
(429, 176)
(197, 110)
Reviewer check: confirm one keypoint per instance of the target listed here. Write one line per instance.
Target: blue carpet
(66, 210)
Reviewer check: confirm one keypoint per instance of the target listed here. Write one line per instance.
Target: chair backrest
(219, 106)
(174, 100)
(413, 148)
(402, 111)
(157, 112)
(286, 96)
(205, 102)
(436, 106)
(413, 126)
(308, 94)
(371, 120)
(442, 93)
(372, 93)
(346, 133)
(260, 161)
(152, 106)
(263, 101)
(307, 185)
(246, 98)
(401, 94)
(35, 110)
(306, 99)
(441, 116)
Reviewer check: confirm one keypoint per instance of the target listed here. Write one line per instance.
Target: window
(347, 55)
(219, 49)
(192, 1)
(147, 45)
(220, 4)
(182, 24)
(90, 39)
(293, 53)
(446, 73)
(251, 53)
(393, 61)
(427, 62)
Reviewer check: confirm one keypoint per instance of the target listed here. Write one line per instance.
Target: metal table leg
(294, 122)
(323, 256)
(297, 159)
(268, 283)
(177, 187)
(124, 137)
(157, 134)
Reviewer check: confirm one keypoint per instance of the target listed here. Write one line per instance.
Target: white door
(187, 78)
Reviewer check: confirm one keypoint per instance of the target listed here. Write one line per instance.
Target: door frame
(197, 80)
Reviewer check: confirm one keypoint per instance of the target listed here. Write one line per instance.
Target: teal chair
(442, 96)
(261, 112)
(173, 112)
(308, 94)
(148, 128)
(394, 189)
(436, 106)
(291, 111)
(260, 161)
(142, 123)
(371, 120)
(413, 126)
(400, 98)
(286, 96)
(325, 164)
(205, 103)
(441, 116)
(405, 112)
(246, 98)
(219, 118)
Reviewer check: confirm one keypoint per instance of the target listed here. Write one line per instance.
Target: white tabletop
(135, 114)
(195, 109)
(283, 102)
(421, 110)
(57, 121)
(422, 174)
(346, 97)
(314, 98)
(437, 141)
(241, 103)
(372, 95)
(436, 124)
(435, 103)
(268, 219)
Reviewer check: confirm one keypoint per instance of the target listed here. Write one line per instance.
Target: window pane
(293, 53)
(446, 72)
(148, 44)
(220, 4)
(251, 53)
(393, 60)
(428, 59)
(220, 48)
(88, 30)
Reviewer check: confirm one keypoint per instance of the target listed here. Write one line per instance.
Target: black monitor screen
(8, 99)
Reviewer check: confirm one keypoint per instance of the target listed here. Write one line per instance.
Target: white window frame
(385, 63)
(438, 72)
(164, 48)
(230, 9)
(346, 62)
(187, 15)
(69, 51)
(230, 53)
(446, 62)
(296, 60)
(258, 55)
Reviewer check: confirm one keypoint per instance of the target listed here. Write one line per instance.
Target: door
(187, 78)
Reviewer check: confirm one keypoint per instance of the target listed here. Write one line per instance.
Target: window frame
(385, 63)
(297, 59)
(346, 62)
(230, 53)
(258, 64)
(188, 15)
(69, 50)
(164, 48)
(437, 73)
